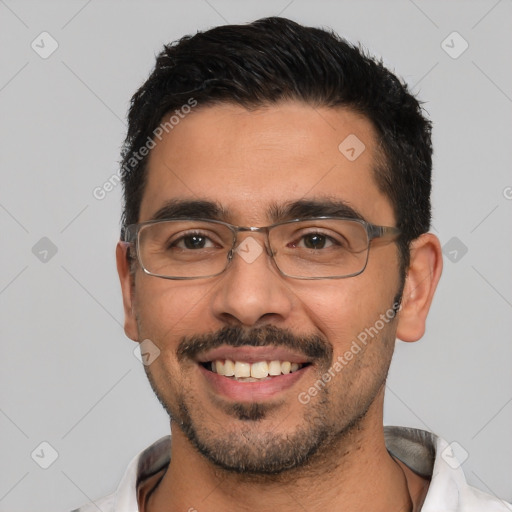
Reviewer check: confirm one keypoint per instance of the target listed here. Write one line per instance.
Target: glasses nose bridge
(250, 229)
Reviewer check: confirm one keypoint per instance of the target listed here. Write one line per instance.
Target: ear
(420, 284)
(127, 289)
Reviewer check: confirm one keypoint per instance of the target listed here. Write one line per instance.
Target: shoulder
(148, 462)
(475, 500)
(431, 457)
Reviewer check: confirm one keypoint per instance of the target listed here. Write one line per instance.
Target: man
(275, 244)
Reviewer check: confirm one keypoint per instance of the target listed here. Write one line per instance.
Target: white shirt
(423, 452)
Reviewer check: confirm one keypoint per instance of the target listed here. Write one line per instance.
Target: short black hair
(275, 59)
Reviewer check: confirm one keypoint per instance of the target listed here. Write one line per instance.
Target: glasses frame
(130, 236)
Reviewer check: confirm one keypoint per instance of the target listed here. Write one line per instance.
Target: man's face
(247, 163)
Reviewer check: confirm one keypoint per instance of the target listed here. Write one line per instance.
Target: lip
(251, 355)
(251, 391)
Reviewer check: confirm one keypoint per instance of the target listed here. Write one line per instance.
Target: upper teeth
(259, 370)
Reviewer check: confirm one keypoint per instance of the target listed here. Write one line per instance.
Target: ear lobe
(127, 289)
(424, 272)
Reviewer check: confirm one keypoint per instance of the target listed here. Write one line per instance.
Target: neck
(355, 473)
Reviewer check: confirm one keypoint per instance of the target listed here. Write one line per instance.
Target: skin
(281, 153)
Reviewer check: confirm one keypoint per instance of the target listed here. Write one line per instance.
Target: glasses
(314, 248)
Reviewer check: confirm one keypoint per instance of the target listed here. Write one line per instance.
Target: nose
(251, 291)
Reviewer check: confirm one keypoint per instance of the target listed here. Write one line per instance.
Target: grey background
(68, 374)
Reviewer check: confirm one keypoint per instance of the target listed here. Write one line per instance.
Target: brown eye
(194, 242)
(315, 241)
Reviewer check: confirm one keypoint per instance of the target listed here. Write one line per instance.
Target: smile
(249, 374)
(252, 372)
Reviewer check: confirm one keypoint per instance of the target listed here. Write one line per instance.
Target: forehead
(251, 162)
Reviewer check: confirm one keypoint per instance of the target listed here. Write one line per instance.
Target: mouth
(242, 371)
(249, 374)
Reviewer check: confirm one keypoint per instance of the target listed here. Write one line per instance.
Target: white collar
(424, 452)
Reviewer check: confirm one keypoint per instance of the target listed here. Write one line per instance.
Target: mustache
(313, 346)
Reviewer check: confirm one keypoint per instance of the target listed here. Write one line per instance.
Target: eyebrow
(193, 209)
(301, 209)
(323, 207)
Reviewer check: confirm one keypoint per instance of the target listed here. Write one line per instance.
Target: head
(246, 124)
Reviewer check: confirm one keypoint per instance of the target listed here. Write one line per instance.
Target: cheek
(168, 310)
(343, 309)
